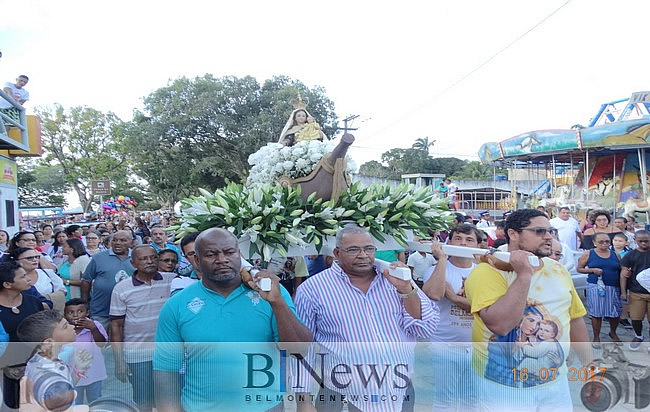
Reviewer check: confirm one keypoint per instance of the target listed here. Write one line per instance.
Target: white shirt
(568, 258)
(451, 189)
(483, 224)
(455, 323)
(48, 282)
(566, 231)
(420, 264)
(16, 93)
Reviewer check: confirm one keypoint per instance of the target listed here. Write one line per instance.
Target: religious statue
(300, 127)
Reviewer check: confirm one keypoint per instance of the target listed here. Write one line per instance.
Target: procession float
(602, 165)
(298, 195)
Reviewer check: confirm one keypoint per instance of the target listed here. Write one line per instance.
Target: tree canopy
(398, 161)
(40, 184)
(199, 132)
(86, 144)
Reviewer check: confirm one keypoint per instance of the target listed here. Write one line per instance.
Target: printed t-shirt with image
(541, 341)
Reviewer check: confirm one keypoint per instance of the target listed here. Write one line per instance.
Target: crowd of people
(152, 298)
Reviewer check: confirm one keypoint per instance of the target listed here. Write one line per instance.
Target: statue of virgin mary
(300, 127)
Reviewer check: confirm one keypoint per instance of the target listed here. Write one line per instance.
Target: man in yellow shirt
(525, 321)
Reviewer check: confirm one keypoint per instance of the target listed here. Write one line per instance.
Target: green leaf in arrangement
(387, 211)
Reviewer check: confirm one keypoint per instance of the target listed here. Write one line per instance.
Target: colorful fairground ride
(598, 166)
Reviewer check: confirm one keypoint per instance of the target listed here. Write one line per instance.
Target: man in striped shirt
(135, 307)
(350, 308)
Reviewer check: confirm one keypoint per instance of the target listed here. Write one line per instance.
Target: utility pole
(347, 120)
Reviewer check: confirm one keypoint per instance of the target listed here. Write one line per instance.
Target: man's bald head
(218, 256)
(121, 241)
(213, 234)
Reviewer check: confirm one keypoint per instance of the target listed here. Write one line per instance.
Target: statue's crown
(299, 103)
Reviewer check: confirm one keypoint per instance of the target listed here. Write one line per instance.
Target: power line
(433, 154)
(347, 120)
(462, 78)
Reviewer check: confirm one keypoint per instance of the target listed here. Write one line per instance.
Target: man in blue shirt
(159, 242)
(104, 271)
(221, 308)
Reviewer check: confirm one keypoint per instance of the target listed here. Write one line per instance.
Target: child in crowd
(49, 381)
(90, 336)
(619, 244)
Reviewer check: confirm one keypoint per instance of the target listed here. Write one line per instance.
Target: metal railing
(21, 124)
(492, 201)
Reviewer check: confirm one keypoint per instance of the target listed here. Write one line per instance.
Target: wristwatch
(411, 293)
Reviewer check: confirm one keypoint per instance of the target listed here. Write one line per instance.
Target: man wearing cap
(485, 220)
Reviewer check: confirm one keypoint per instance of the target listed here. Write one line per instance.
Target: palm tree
(423, 143)
(577, 127)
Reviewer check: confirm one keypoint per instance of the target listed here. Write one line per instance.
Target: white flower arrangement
(275, 217)
(275, 160)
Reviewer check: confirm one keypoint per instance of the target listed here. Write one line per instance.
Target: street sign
(101, 187)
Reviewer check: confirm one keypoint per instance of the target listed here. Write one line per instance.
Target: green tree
(423, 143)
(199, 132)
(447, 166)
(86, 144)
(376, 169)
(476, 170)
(401, 161)
(40, 184)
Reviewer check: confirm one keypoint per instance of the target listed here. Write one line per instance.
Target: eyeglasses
(355, 250)
(35, 257)
(540, 231)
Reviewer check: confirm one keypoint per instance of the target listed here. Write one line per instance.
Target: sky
(409, 69)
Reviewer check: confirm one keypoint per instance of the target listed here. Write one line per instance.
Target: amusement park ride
(602, 165)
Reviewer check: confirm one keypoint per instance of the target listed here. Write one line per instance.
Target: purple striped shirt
(362, 328)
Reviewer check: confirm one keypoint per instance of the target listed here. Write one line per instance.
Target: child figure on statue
(310, 131)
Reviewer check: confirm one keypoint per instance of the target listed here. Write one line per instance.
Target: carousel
(602, 165)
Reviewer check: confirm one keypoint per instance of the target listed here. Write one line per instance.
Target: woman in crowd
(46, 282)
(56, 252)
(74, 266)
(47, 233)
(4, 240)
(28, 240)
(585, 223)
(14, 305)
(603, 269)
(167, 261)
(93, 239)
(483, 240)
(41, 244)
(601, 221)
(110, 226)
(104, 238)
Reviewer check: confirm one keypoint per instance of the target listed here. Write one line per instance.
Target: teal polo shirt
(222, 341)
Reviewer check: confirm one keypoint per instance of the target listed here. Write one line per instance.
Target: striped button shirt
(139, 304)
(368, 328)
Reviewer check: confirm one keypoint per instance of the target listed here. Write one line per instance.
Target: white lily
(251, 233)
(327, 213)
(200, 208)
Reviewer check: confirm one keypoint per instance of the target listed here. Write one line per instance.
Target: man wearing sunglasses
(514, 309)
